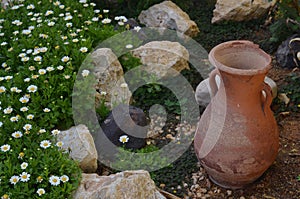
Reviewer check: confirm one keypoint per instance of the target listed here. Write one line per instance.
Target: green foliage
(291, 89)
(287, 20)
(43, 44)
(125, 158)
(298, 177)
(128, 61)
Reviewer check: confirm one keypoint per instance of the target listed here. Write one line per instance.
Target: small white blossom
(17, 134)
(24, 177)
(85, 73)
(14, 180)
(106, 21)
(83, 49)
(32, 89)
(5, 147)
(40, 191)
(54, 180)
(45, 144)
(124, 139)
(24, 165)
(65, 58)
(64, 178)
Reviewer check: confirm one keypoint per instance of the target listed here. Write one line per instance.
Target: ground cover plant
(43, 43)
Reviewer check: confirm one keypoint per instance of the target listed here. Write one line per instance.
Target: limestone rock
(168, 15)
(158, 56)
(286, 54)
(79, 140)
(203, 90)
(109, 77)
(240, 10)
(123, 185)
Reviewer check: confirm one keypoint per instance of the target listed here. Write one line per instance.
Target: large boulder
(240, 10)
(81, 145)
(124, 185)
(159, 56)
(109, 78)
(287, 54)
(168, 15)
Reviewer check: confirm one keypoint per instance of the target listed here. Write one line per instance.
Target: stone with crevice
(124, 185)
(168, 15)
(240, 10)
(79, 141)
(163, 58)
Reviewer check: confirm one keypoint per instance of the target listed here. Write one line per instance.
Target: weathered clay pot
(237, 137)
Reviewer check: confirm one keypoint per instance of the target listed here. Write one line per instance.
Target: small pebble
(229, 192)
(162, 186)
(242, 197)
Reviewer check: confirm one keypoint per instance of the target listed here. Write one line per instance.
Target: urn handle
(212, 82)
(266, 96)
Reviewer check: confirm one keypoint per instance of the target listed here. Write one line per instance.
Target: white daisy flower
(106, 21)
(49, 12)
(43, 49)
(64, 178)
(51, 23)
(8, 110)
(30, 116)
(27, 127)
(37, 58)
(124, 139)
(42, 131)
(60, 67)
(45, 144)
(69, 25)
(24, 99)
(85, 73)
(17, 134)
(30, 7)
(49, 69)
(40, 191)
(2, 89)
(24, 109)
(1, 124)
(128, 46)
(105, 11)
(5, 147)
(54, 180)
(69, 17)
(27, 79)
(83, 49)
(42, 71)
(26, 32)
(24, 177)
(24, 165)
(14, 89)
(14, 180)
(55, 132)
(65, 58)
(25, 59)
(32, 89)
(59, 144)
(14, 119)
(46, 110)
(22, 55)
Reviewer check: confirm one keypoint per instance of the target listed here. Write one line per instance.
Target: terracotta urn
(237, 138)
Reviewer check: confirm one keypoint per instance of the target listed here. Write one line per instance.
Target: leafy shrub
(43, 44)
(287, 20)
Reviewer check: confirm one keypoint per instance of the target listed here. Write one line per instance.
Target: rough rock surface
(109, 77)
(159, 56)
(119, 123)
(168, 15)
(81, 144)
(240, 10)
(124, 185)
(287, 53)
(203, 90)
